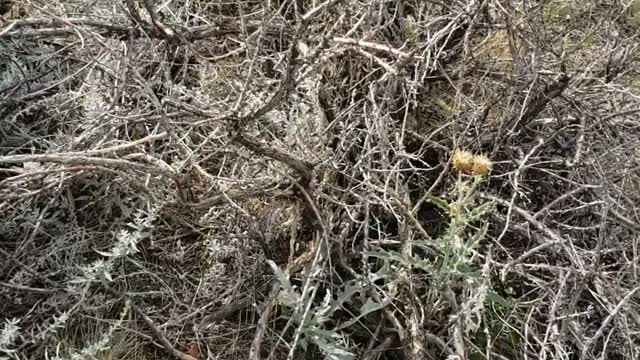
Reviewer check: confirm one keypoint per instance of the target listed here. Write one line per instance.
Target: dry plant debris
(319, 179)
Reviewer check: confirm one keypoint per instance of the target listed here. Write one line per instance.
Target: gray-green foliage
(318, 322)
(457, 264)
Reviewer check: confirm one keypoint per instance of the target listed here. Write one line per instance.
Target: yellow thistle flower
(467, 163)
(462, 161)
(481, 165)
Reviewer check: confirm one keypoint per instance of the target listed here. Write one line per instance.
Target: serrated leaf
(324, 311)
(367, 308)
(328, 344)
(370, 306)
(474, 241)
(438, 201)
(283, 278)
(288, 296)
(345, 295)
(479, 212)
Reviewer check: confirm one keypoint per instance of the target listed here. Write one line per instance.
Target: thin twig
(156, 331)
(27, 288)
(585, 354)
(169, 33)
(256, 344)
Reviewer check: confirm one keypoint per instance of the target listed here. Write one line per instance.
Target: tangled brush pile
(307, 179)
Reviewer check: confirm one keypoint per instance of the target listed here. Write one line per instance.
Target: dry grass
(307, 179)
